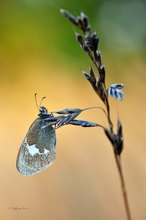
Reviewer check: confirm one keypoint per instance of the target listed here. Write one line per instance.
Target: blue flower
(115, 91)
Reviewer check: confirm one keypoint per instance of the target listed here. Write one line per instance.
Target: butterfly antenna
(41, 101)
(35, 96)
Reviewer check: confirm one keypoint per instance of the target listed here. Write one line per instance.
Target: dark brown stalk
(123, 186)
(120, 171)
(119, 167)
(89, 43)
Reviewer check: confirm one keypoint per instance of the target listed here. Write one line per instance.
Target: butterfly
(38, 149)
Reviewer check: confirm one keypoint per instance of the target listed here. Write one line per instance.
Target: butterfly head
(43, 111)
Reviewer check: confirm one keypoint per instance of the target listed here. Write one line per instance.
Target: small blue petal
(116, 92)
(118, 86)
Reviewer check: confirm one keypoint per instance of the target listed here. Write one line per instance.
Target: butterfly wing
(38, 149)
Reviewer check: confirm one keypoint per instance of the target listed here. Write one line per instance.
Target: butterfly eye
(43, 110)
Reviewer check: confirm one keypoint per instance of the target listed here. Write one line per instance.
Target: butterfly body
(38, 149)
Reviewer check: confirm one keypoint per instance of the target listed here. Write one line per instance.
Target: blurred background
(39, 53)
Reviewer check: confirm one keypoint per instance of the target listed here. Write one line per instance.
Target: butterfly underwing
(38, 149)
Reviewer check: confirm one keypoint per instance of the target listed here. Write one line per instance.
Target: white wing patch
(33, 150)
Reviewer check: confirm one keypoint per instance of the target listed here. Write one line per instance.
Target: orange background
(83, 183)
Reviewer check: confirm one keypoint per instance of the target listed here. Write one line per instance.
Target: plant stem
(123, 186)
(108, 116)
(89, 43)
(119, 167)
